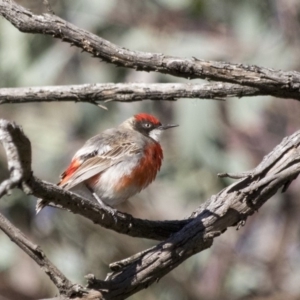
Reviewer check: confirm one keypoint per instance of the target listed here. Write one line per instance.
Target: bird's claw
(111, 211)
(108, 209)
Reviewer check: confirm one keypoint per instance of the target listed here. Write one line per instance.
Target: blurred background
(261, 260)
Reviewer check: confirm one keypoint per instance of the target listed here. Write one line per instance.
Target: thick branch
(276, 83)
(229, 207)
(126, 92)
(120, 222)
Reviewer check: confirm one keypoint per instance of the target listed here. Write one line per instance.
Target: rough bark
(181, 239)
(268, 81)
(125, 92)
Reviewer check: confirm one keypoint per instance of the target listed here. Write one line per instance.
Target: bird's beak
(167, 126)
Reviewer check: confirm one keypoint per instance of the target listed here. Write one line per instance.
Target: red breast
(142, 175)
(145, 172)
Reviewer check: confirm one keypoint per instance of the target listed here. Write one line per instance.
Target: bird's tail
(40, 204)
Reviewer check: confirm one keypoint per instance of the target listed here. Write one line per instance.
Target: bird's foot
(109, 209)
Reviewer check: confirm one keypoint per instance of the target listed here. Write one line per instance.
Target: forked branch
(181, 239)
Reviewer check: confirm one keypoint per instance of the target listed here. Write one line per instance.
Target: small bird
(117, 163)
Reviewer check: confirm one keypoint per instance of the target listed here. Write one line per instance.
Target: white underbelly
(105, 187)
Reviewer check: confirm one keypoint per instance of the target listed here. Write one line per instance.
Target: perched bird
(117, 163)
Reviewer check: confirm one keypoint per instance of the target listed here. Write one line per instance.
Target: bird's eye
(147, 125)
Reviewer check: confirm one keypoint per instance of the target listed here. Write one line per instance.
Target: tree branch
(125, 92)
(180, 239)
(276, 83)
(230, 207)
(120, 222)
(18, 151)
(34, 251)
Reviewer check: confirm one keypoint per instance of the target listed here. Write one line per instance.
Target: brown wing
(82, 169)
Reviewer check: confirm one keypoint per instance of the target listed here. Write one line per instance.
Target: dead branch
(125, 92)
(64, 286)
(230, 207)
(180, 239)
(120, 222)
(18, 151)
(268, 81)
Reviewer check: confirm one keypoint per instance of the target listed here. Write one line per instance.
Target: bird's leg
(102, 204)
(111, 210)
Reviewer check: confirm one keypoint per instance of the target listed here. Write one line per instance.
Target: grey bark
(276, 83)
(125, 92)
(181, 239)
